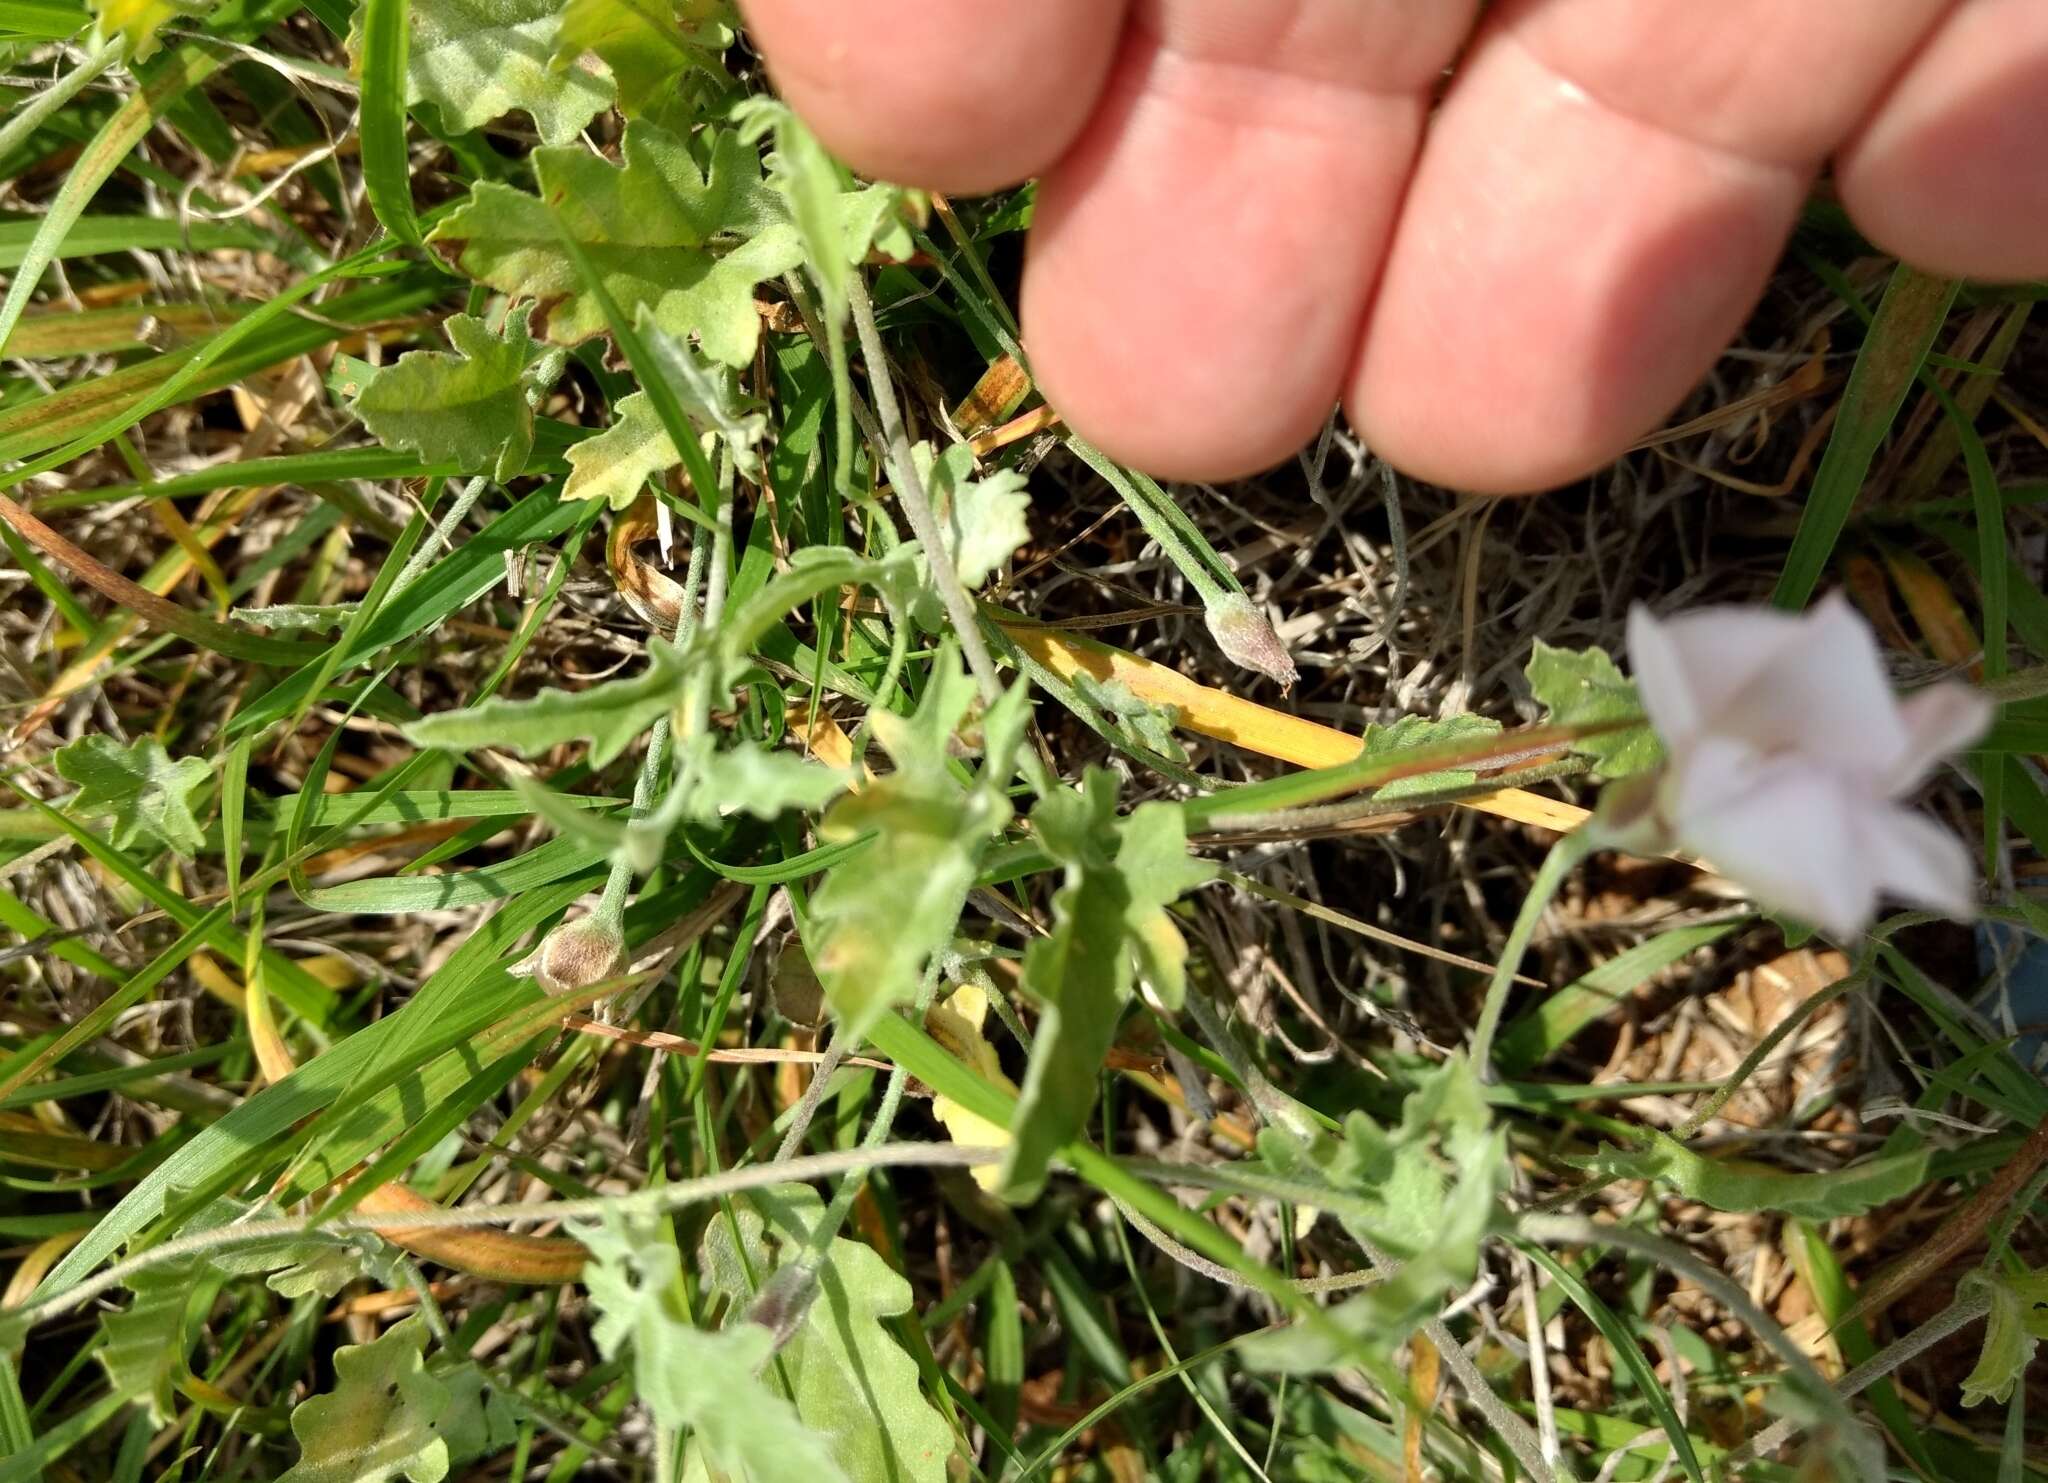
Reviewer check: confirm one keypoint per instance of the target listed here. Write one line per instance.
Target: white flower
(1787, 755)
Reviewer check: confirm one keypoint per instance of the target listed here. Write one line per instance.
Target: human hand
(1241, 216)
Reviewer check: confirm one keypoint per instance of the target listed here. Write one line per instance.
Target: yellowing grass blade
(1246, 723)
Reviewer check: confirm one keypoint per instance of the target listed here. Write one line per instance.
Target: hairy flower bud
(576, 955)
(1245, 637)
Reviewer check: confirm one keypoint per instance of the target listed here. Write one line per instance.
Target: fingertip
(957, 98)
(1534, 321)
(1199, 261)
(1948, 171)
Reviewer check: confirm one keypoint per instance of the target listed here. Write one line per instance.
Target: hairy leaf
(1110, 924)
(143, 1346)
(609, 716)
(1423, 1192)
(851, 1381)
(687, 245)
(1418, 731)
(1142, 722)
(647, 44)
(839, 221)
(476, 60)
(2014, 1328)
(708, 1382)
(149, 796)
(1582, 687)
(382, 1419)
(470, 408)
(615, 465)
(983, 518)
(760, 781)
(881, 913)
(1731, 1184)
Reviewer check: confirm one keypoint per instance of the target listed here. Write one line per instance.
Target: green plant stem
(1349, 810)
(652, 1201)
(910, 493)
(31, 115)
(1564, 856)
(1964, 1311)
(885, 688)
(443, 537)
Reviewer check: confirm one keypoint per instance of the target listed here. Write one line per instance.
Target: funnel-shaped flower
(1788, 753)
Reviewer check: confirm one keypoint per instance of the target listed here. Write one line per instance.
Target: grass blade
(1908, 318)
(387, 178)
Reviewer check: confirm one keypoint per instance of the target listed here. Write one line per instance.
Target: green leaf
(1110, 923)
(470, 409)
(615, 465)
(476, 60)
(1081, 977)
(838, 221)
(761, 781)
(1152, 855)
(2014, 1328)
(609, 716)
(685, 244)
(1582, 687)
(1910, 315)
(1143, 723)
(144, 1345)
(1734, 1185)
(149, 796)
(646, 44)
(984, 519)
(1419, 731)
(138, 21)
(380, 1420)
(708, 1383)
(881, 913)
(1424, 1192)
(850, 1379)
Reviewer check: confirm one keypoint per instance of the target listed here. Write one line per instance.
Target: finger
(1951, 171)
(931, 93)
(1601, 199)
(1200, 259)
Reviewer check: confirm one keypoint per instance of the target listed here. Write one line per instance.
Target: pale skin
(1251, 209)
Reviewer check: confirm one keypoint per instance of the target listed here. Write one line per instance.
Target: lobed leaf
(610, 716)
(474, 61)
(1732, 1184)
(850, 1380)
(148, 795)
(380, 1420)
(1582, 687)
(706, 1382)
(470, 409)
(685, 244)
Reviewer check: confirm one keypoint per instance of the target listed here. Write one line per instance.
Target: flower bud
(576, 955)
(1245, 637)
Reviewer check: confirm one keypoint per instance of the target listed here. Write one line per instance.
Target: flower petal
(1687, 666)
(1790, 841)
(1941, 719)
(1917, 860)
(1825, 695)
